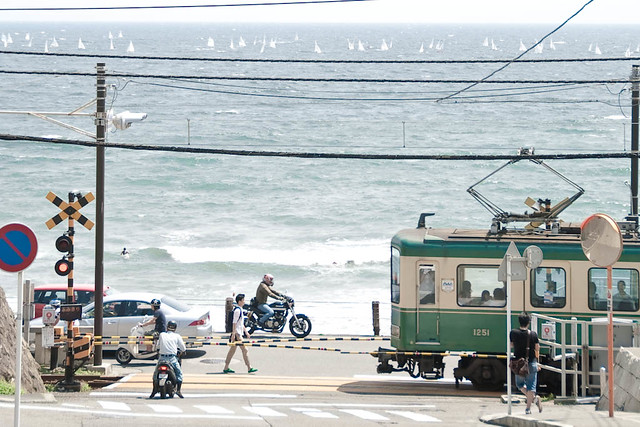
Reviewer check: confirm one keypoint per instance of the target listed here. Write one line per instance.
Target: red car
(83, 294)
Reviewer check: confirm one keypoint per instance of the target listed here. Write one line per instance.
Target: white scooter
(136, 350)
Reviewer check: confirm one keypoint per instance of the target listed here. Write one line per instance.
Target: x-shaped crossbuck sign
(70, 210)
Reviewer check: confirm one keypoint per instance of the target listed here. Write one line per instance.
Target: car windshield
(173, 303)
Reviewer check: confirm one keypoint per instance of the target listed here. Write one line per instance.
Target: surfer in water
(124, 253)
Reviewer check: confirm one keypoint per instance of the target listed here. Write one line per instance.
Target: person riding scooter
(160, 321)
(169, 346)
(264, 291)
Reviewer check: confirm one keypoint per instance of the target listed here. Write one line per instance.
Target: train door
(427, 313)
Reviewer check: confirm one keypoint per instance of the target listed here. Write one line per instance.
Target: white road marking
(193, 395)
(365, 415)
(213, 409)
(122, 380)
(346, 405)
(115, 406)
(165, 409)
(416, 417)
(264, 411)
(314, 412)
(73, 405)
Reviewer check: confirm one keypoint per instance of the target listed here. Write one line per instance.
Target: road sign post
(64, 267)
(18, 249)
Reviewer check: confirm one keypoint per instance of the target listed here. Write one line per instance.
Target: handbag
(520, 366)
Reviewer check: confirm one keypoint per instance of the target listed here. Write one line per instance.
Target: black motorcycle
(299, 324)
(164, 379)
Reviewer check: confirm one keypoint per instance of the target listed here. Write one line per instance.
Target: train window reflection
(624, 288)
(478, 287)
(427, 288)
(395, 275)
(548, 287)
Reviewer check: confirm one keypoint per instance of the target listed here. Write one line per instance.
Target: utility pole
(101, 124)
(635, 110)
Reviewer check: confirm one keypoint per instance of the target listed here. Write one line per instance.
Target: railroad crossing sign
(70, 210)
(18, 247)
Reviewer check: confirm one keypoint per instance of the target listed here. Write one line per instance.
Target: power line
(322, 61)
(519, 56)
(186, 6)
(312, 155)
(315, 79)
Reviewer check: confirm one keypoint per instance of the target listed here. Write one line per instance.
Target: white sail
(3, 39)
(440, 45)
(350, 44)
(493, 45)
(130, 49)
(29, 44)
(27, 37)
(360, 46)
(390, 44)
(296, 38)
(241, 42)
(210, 43)
(485, 42)
(627, 52)
(539, 48)
(262, 48)
(590, 47)
(316, 48)
(552, 46)
(384, 45)
(46, 46)
(421, 48)
(272, 43)
(110, 35)
(120, 34)
(522, 46)
(231, 45)
(597, 50)
(431, 44)
(111, 46)
(80, 44)
(54, 43)
(9, 39)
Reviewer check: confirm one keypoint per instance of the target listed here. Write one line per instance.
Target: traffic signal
(64, 244)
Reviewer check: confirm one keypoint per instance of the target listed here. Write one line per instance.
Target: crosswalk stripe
(416, 417)
(264, 411)
(365, 415)
(116, 406)
(213, 409)
(165, 409)
(320, 414)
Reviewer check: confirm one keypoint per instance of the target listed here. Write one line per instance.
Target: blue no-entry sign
(18, 247)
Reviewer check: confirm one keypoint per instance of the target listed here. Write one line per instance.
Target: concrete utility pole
(101, 125)
(635, 112)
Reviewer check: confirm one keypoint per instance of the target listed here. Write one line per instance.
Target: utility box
(625, 334)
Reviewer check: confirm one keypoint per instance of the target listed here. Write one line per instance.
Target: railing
(573, 349)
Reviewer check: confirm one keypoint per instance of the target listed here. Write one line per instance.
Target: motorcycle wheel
(251, 323)
(123, 356)
(305, 326)
(170, 389)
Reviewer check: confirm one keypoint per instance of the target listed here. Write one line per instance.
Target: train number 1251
(481, 332)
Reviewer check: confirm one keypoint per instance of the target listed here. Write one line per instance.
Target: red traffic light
(64, 244)
(63, 267)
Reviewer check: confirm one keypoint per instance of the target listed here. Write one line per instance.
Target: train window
(625, 289)
(427, 289)
(548, 287)
(395, 275)
(479, 287)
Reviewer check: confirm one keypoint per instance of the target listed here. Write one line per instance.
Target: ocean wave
(329, 253)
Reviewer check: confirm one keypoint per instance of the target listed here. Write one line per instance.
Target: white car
(122, 311)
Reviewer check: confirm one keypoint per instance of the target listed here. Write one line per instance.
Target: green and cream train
(446, 297)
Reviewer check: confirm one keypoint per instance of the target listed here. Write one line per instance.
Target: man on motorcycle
(169, 344)
(265, 290)
(160, 322)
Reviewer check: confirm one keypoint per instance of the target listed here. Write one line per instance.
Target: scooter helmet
(55, 303)
(172, 325)
(268, 279)
(155, 303)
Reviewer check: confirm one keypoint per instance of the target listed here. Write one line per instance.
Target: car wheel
(123, 356)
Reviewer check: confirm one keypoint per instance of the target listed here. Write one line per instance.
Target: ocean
(202, 227)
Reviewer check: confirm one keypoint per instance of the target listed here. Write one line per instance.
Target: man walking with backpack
(238, 331)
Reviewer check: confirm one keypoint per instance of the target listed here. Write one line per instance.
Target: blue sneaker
(228, 371)
(252, 370)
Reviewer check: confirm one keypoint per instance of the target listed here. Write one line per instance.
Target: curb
(30, 398)
(518, 421)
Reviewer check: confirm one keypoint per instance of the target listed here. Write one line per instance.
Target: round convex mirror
(601, 240)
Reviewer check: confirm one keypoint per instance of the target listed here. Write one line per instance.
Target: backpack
(229, 320)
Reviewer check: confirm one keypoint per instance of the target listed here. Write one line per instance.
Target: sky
(377, 11)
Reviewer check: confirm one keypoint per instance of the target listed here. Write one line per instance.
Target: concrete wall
(626, 383)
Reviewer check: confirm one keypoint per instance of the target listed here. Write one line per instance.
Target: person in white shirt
(238, 331)
(168, 345)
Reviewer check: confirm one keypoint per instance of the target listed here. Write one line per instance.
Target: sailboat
(272, 43)
(390, 44)
(384, 45)
(29, 44)
(316, 48)
(263, 45)
(231, 45)
(551, 45)
(3, 39)
(350, 44)
(493, 45)
(130, 49)
(485, 43)
(597, 50)
(431, 44)
(46, 46)
(360, 46)
(120, 34)
(9, 39)
(440, 45)
(522, 46)
(421, 48)
(210, 43)
(539, 47)
(627, 53)
(27, 37)
(241, 42)
(80, 44)
(296, 38)
(590, 47)
(54, 43)
(111, 46)
(110, 35)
